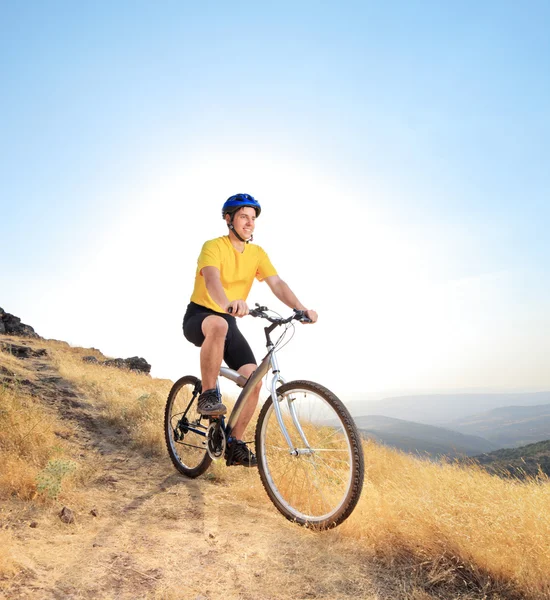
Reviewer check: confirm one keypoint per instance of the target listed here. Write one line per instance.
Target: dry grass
(14, 366)
(28, 443)
(129, 401)
(460, 522)
(446, 525)
(442, 524)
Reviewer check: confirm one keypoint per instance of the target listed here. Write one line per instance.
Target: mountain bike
(309, 452)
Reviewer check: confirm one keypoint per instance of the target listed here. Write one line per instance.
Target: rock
(33, 524)
(11, 325)
(66, 515)
(22, 351)
(115, 362)
(90, 359)
(94, 512)
(135, 363)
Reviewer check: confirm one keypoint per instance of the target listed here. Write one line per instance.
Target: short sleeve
(265, 268)
(210, 256)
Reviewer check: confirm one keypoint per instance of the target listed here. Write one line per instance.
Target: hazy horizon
(443, 408)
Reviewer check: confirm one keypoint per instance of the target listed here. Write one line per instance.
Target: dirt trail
(156, 534)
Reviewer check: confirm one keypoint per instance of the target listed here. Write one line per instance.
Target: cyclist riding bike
(226, 269)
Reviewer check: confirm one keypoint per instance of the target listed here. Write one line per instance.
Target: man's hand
(311, 314)
(237, 308)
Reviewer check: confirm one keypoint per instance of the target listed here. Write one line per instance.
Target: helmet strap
(230, 225)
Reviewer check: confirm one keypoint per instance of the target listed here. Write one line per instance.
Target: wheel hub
(181, 429)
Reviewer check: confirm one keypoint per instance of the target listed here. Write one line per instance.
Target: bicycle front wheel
(185, 429)
(318, 481)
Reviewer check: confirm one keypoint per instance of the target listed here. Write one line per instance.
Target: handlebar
(261, 312)
(298, 315)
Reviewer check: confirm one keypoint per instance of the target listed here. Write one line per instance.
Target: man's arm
(287, 296)
(217, 293)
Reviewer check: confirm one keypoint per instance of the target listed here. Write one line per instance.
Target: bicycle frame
(269, 361)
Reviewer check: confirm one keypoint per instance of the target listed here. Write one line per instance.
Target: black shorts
(237, 351)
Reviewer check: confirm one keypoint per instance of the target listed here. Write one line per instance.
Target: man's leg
(214, 330)
(250, 406)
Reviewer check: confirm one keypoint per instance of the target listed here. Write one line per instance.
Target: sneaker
(237, 453)
(209, 403)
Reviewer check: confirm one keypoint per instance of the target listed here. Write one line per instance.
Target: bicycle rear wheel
(319, 483)
(185, 429)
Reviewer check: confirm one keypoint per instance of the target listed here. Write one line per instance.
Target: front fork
(277, 379)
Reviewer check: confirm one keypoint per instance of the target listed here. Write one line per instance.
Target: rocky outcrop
(11, 325)
(22, 351)
(135, 363)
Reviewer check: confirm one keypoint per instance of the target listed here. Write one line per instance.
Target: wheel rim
(185, 423)
(313, 487)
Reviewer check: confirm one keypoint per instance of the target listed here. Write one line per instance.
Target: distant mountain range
(421, 439)
(441, 409)
(518, 462)
(508, 426)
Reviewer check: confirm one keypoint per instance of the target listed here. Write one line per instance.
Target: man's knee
(247, 371)
(214, 327)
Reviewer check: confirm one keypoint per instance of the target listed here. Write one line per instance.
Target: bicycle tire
(186, 448)
(334, 461)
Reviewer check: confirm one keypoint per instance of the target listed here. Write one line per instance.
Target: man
(226, 270)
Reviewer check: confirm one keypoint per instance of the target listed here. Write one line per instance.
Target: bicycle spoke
(337, 474)
(313, 483)
(184, 429)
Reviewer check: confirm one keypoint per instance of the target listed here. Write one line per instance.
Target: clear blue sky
(402, 147)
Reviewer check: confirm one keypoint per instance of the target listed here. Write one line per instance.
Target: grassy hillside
(438, 530)
(421, 439)
(508, 426)
(524, 462)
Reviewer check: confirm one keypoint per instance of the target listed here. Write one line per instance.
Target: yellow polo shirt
(237, 270)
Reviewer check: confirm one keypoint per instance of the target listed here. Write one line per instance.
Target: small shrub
(49, 480)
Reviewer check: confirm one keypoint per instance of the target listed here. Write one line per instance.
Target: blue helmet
(238, 201)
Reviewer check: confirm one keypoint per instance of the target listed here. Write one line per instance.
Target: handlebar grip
(230, 310)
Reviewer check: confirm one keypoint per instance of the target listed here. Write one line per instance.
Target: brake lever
(300, 315)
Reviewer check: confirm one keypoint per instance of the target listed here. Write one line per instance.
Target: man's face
(244, 221)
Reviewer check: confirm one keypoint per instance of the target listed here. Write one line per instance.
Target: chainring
(216, 440)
